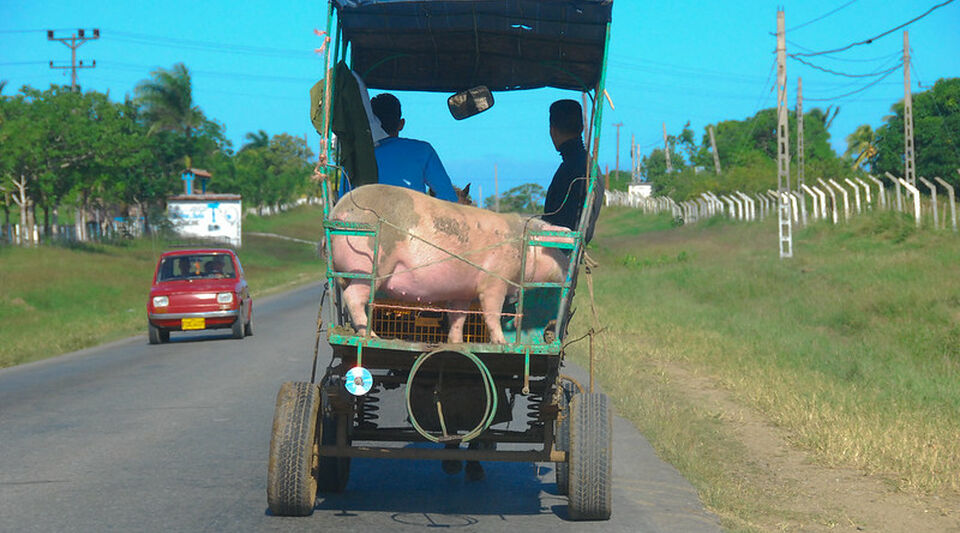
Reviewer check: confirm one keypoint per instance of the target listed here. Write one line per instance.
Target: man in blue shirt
(407, 162)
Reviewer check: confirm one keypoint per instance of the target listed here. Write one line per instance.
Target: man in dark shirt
(566, 193)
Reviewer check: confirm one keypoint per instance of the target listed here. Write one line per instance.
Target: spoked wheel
(333, 472)
(562, 434)
(294, 453)
(590, 457)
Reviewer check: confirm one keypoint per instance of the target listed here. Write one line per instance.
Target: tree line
(81, 151)
(747, 148)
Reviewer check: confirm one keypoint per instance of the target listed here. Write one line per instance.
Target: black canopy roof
(450, 45)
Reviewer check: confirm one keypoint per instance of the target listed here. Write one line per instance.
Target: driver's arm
(437, 179)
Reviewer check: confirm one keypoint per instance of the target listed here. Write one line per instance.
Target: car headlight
(160, 301)
(225, 298)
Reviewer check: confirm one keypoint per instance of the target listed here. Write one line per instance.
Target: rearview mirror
(468, 103)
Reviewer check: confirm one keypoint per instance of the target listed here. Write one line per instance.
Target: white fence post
(916, 198)
(933, 199)
(846, 198)
(813, 195)
(866, 190)
(896, 184)
(882, 190)
(833, 198)
(856, 193)
(953, 205)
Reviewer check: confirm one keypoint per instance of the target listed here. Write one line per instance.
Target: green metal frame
(523, 344)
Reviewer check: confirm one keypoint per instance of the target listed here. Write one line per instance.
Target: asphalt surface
(175, 437)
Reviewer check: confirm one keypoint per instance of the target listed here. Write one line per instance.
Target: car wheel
(248, 327)
(153, 334)
(237, 328)
(164, 335)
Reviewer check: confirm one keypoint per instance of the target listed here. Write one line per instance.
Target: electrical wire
(821, 17)
(870, 40)
(848, 75)
(861, 89)
(190, 44)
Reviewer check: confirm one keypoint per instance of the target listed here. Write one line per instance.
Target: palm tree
(260, 139)
(863, 143)
(167, 102)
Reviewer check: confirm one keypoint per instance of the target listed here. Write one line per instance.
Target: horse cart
(503, 401)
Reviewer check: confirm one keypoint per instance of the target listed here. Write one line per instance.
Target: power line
(870, 40)
(190, 44)
(864, 88)
(821, 17)
(898, 53)
(848, 75)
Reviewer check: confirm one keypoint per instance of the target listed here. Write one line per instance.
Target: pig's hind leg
(457, 321)
(356, 295)
(491, 303)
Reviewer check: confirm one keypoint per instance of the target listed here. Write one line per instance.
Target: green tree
(526, 198)
(260, 139)
(861, 145)
(936, 134)
(167, 100)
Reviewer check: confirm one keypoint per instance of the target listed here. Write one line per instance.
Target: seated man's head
(184, 263)
(387, 108)
(566, 121)
(215, 264)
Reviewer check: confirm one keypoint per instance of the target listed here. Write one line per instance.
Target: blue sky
(670, 62)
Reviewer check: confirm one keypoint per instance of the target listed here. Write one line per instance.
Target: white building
(207, 216)
(641, 189)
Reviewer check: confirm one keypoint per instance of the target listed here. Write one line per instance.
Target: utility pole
(73, 42)
(910, 171)
(617, 166)
(716, 155)
(800, 177)
(666, 148)
(633, 158)
(783, 145)
(496, 190)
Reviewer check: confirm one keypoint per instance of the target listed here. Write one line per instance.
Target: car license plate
(193, 323)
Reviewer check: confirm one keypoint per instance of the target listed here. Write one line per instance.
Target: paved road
(133, 437)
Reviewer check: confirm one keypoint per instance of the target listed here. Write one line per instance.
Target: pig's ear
(466, 190)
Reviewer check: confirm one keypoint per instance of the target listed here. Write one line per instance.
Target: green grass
(58, 299)
(852, 347)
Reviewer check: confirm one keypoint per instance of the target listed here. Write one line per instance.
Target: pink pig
(419, 269)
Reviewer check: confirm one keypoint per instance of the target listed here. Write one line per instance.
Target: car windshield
(196, 266)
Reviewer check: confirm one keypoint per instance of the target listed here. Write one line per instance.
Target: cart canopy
(451, 45)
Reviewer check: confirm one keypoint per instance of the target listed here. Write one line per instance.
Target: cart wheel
(562, 435)
(291, 481)
(590, 457)
(333, 472)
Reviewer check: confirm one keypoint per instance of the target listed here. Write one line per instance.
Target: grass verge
(852, 347)
(57, 299)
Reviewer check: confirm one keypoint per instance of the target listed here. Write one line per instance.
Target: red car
(199, 289)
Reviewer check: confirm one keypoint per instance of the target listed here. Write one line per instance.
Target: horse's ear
(466, 190)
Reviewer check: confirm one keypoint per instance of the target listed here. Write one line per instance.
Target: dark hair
(387, 108)
(567, 117)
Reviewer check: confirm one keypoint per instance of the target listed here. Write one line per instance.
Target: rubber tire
(248, 327)
(292, 468)
(590, 457)
(157, 335)
(237, 328)
(562, 435)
